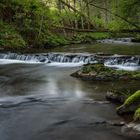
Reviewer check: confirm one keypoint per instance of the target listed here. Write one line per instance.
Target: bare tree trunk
(106, 13)
(78, 12)
(69, 16)
(75, 21)
(88, 12)
(40, 28)
(81, 9)
(62, 20)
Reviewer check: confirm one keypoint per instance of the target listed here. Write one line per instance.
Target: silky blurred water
(42, 102)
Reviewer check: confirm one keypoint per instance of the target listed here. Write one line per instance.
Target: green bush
(9, 37)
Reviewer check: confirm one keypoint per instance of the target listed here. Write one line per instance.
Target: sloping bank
(130, 101)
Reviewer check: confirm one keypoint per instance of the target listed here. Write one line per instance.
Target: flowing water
(40, 101)
(127, 48)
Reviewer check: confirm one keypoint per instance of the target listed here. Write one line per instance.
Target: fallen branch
(101, 30)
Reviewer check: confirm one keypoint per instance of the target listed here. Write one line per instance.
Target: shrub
(9, 37)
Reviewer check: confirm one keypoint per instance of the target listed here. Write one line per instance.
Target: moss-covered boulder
(100, 72)
(131, 104)
(137, 115)
(135, 98)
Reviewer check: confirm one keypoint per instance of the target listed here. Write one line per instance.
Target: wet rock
(117, 123)
(99, 72)
(125, 109)
(42, 60)
(131, 104)
(131, 130)
(115, 97)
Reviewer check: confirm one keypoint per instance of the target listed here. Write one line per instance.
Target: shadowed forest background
(50, 23)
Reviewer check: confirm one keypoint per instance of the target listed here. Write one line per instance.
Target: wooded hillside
(43, 23)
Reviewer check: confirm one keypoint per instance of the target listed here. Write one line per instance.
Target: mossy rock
(119, 95)
(131, 104)
(133, 98)
(101, 72)
(137, 115)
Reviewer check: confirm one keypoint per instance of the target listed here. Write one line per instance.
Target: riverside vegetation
(99, 72)
(49, 23)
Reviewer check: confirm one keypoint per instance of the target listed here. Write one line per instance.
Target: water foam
(129, 63)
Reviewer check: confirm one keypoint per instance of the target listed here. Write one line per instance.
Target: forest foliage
(47, 23)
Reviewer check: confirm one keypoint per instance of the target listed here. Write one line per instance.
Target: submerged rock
(116, 123)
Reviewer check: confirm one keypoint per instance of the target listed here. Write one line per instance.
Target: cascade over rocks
(115, 61)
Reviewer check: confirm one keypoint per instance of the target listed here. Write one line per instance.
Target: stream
(39, 100)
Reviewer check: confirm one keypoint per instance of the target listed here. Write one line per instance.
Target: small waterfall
(118, 40)
(132, 61)
(116, 61)
(126, 63)
(50, 57)
(70, 58)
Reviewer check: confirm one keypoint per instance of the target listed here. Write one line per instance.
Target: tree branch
(75, 10)
(102, 8)
(94, 31)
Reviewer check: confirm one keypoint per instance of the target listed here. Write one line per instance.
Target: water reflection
(52, 81)
(53, 105)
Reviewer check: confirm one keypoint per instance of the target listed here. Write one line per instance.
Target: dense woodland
(49, 23)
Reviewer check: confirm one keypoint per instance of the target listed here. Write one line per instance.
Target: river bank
(127, 96)
(94, 39)
(122, 46)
